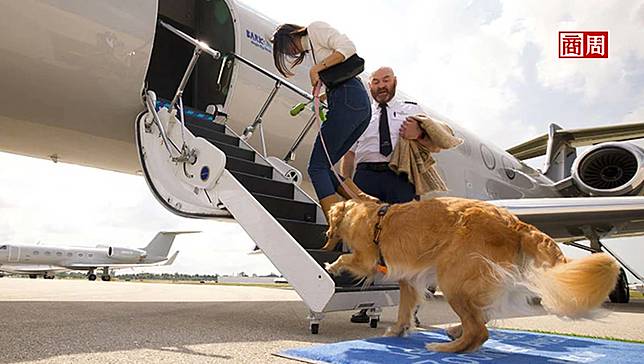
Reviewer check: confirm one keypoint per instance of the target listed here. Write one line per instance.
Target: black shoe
(360, 317)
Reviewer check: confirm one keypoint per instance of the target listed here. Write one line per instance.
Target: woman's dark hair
(285, 47)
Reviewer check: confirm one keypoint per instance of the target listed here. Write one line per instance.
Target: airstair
(199, 167)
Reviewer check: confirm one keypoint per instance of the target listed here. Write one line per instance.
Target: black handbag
(341, 72)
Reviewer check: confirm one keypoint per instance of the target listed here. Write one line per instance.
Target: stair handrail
(279, 82)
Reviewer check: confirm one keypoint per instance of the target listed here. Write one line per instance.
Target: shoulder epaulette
(411, 102)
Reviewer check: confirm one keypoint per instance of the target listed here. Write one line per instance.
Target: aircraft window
(509, 169)
(465, 148)
(4, 247)
(80, 254)
(59, 254)
(90, 255)
(69, 254)
(488, 157)
(47, 253)
(36, 252)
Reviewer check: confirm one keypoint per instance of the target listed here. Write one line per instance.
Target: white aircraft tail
(162, 242)
(171, 259)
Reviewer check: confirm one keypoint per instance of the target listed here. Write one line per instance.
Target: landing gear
(621, 293)
(373, 323)
(91, 275)
(106, 274)
(33, 276)
(374, 316)
(314, 321)
(47, 277)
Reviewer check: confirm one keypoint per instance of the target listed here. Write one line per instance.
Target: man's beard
(385, 96)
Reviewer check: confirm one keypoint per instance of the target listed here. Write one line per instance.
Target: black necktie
(383, 128)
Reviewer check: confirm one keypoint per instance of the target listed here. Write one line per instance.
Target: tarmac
(64, 321)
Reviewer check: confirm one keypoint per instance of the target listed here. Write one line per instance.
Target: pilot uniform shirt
(367, 147)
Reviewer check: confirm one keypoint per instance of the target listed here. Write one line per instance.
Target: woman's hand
(314, 75)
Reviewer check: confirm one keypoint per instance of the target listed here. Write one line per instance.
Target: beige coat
(416, 159)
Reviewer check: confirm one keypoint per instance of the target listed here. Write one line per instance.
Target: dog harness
(382, 211)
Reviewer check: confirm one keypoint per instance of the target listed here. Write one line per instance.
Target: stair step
(308, 234)
(232, 151)
(345, 279)
(206, 124)
(265, 186)
(239, 165)
(380, 287)
(213, 134)
(287, 209)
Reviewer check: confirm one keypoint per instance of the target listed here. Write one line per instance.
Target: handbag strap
(312, 51)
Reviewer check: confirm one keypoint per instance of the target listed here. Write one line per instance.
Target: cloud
(493, 66)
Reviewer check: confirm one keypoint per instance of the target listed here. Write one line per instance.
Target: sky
(490, 65)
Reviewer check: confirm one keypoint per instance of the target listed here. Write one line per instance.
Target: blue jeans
(348, 117)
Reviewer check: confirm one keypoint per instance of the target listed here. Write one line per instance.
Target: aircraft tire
(373, 323)
(315, 329)
(106, 278)
(91, 277)
(620, 294)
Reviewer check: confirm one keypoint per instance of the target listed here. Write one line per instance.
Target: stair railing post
(290, 155)
(186, 77)
(248, 132)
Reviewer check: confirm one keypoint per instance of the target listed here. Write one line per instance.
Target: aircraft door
(208, 21)
(14, 253)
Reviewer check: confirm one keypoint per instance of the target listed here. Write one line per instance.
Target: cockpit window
(4, 247)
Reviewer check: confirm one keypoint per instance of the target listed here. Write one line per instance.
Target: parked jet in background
(36, 260)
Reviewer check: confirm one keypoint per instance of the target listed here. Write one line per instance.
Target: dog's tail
(577, 287)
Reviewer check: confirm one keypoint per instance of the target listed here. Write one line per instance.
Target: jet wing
(31, 269)
(565, 218)
(84, 266)
(579, 137)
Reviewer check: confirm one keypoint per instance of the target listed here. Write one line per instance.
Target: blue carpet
(504, 346)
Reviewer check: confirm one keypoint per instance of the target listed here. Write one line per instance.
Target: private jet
(46, 260)
(185, 94)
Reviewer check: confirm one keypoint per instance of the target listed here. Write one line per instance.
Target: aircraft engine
(126, 255)
(610, 169)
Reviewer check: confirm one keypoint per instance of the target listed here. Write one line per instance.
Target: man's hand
(410, 129)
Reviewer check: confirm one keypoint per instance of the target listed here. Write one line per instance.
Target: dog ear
(336, 214)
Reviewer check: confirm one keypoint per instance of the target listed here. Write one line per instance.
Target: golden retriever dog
(482, 257)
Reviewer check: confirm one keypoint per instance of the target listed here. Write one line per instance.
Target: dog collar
(382, 211)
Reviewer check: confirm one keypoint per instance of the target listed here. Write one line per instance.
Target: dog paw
(454, 332)
(434, 347)
(331, 268)
(396, 330)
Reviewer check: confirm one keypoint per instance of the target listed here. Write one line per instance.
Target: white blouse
(326, 39)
